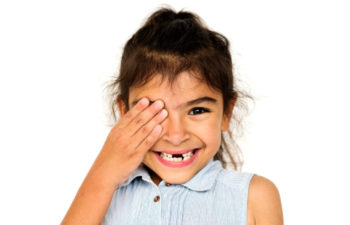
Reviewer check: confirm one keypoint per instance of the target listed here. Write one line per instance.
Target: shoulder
(264, 203)
(233, 179)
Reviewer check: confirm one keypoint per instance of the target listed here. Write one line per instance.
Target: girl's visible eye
(198, 110)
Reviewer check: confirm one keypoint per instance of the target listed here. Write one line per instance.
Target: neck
(155, 178)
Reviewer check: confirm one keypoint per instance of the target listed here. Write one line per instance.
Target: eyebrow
(189, 103)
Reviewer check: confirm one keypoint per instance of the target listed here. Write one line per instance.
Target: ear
(225, 124)
(121, 106)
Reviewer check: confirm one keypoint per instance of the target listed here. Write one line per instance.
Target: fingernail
(144, 101)
(158, 104)
(163, 113)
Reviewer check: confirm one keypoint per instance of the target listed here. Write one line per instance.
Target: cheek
(209, 131)
(148, 159)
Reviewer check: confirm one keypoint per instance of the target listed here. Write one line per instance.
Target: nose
(175, 131)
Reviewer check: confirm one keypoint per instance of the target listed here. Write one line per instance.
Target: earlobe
(121, 106)
(225, 123)
(227, 116)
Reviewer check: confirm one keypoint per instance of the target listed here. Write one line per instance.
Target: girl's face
(191, 133)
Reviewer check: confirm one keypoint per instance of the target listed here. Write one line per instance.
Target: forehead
(184, 88)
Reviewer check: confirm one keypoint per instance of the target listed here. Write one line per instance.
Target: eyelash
(202, 110)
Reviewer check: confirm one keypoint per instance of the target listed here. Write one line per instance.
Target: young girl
(162, 163)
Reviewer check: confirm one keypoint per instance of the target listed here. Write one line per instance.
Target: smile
(177, 159)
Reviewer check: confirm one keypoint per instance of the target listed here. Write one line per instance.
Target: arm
(264, 203)
(122, 152)
(92, 199)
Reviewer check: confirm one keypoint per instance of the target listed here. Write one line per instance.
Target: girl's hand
(122, 152)
(129, 140)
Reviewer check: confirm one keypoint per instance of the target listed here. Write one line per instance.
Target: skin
(189, 124)
(170, 123)
(264, 203)
(122, 152)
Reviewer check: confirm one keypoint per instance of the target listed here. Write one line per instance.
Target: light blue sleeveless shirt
(213, 196)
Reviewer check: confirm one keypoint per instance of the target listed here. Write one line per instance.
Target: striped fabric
(213, 196)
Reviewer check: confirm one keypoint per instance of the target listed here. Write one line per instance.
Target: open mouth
(178, 157)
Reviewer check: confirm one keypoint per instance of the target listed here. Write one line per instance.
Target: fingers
(148, 134)
(141, 126)
(133, 112)
(150, 140)
(139, 122)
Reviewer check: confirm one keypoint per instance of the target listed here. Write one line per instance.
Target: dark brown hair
(172, 42)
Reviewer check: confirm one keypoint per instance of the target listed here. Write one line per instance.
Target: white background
(56, 55)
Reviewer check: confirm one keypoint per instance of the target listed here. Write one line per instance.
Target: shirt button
(156, 199)
(167, 184)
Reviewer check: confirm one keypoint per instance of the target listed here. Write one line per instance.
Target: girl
(162, 163)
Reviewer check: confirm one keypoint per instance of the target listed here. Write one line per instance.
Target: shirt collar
(203, 180)
(142, 172)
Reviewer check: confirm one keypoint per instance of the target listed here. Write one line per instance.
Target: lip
(178, 164)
